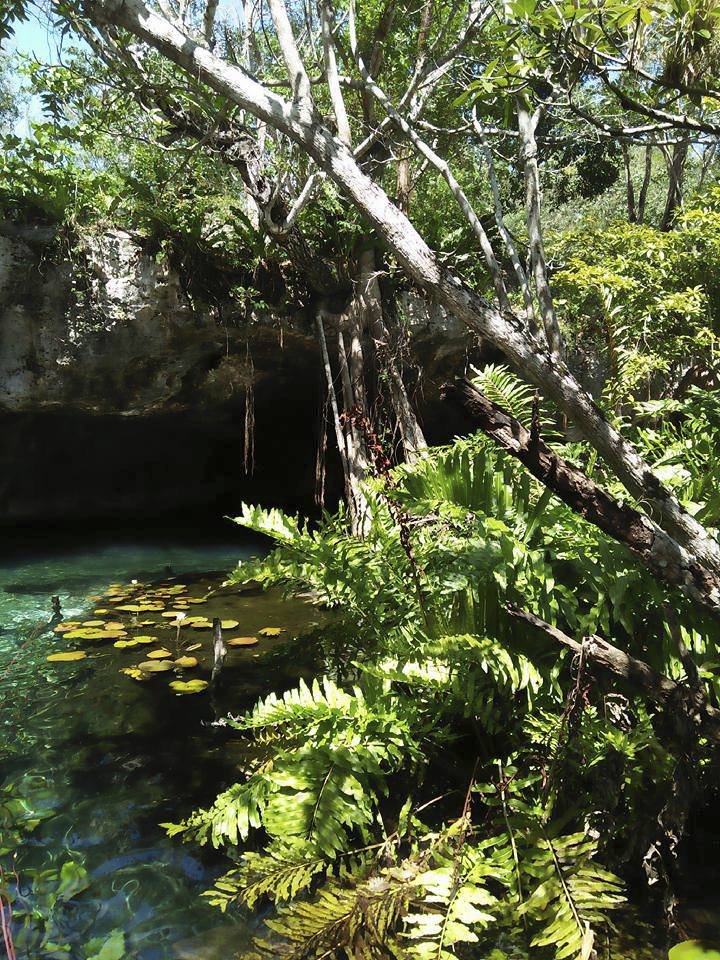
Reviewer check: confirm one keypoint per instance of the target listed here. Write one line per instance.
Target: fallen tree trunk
(640, 675)
(644, 538)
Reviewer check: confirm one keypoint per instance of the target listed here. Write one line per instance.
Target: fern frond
(232, 815)
(354, 917)
(280, 873)
(453, 914)
(505, 388)
(570, 896)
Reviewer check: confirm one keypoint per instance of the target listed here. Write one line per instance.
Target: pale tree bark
(527, 125)
(354, 495)
(509, 334)
(403, 181)
(507, 239)
(413, 439)
(647, 177)
(209, 22)
(331, 73)
(675, 160)
(632, 214)
(299, 80)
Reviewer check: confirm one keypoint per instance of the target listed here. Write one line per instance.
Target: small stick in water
(57, 612)
(219, 650)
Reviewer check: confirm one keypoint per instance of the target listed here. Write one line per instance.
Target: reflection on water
(91, 763)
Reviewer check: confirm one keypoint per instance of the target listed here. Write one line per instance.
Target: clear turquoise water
(100, 761)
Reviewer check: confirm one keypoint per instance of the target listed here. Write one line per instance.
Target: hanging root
(323, 414)
(249, 436)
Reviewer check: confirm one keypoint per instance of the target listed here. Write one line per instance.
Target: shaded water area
(91, 762)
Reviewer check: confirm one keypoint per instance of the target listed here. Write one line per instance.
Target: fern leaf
(281, 873)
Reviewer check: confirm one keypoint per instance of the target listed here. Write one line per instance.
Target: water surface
(91, 762)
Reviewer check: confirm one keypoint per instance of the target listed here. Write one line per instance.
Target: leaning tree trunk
(501, 328)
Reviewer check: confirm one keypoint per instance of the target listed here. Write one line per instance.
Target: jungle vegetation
(516, 730)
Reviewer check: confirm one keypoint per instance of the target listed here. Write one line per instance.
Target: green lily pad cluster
(118, 618)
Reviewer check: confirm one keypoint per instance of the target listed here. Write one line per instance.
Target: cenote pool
(92, 762)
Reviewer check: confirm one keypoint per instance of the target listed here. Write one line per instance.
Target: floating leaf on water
(67, 656)
(695, 950)
(131, 607)
(145, 638)
(197, 599)
(188, 686)
(200, 624)
(243, 642)
(186, 662)
(193, 646)
(67, 625)
(160, 654)
(229, 624)
(93, 623)
(101, 610)
(173, 614)
(135, 673)
(271, 631)
(155, 666)
(122, 644)
(114, 625)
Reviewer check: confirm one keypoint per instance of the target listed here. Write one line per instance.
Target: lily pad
(186, 662)
(67, 625)
(229, 624)
(145, 638)
(160, 654)
(173, 614)
(271, 631)
(197, 600)
(93, 623)
(200, 624)
(123, 644)
(155, 666)
(188, 686)
(101, 610)
(695, 950)
(193, 646)
(135, 673)
(243, 642)
(66, 657)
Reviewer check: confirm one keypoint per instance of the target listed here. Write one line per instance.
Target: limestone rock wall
(119, 395)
